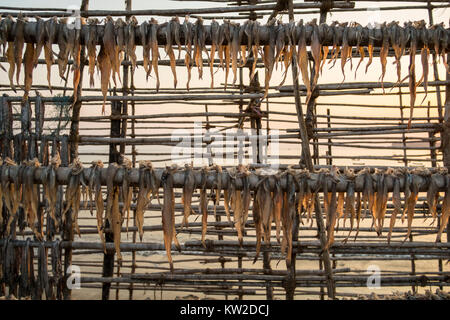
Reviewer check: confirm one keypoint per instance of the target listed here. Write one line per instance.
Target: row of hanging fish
(233, 43)
(277, 197)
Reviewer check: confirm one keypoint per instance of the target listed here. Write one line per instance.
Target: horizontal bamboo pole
(362, 85)
(185, 11)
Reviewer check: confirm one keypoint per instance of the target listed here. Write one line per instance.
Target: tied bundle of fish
(234, 44)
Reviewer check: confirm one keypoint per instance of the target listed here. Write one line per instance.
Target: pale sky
(329, 76)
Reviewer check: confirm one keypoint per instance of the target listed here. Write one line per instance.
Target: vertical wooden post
(108, 257)
(73, 152)
(309, 165)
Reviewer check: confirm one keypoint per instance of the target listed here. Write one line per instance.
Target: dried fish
(215, 28)
(445, 214)
(384, 51)
(130, 41)
(153, 35)
(397, 42)
(50, 31)
(40, 39)
(19, 41)
(346, 48)
(204, 203)
(303, 57)
(362, 54)
(188, 33)
(104, 66)
(28, 66)
(277, 205)
(168, 213)
(188, 190)
(91, 48)
(64, 47)
(73, 193)
(316, 51)
(146, 188)
(30, 197)
(235, 41)
(12, 65)
(269, 55)
(199, 35)
(370, 47)
(143, 33)
(397, 204)
(126, 191)
(218, 185)
(424, 55)
(95, 185)
(110, 49)
(169, 50)
(50, 184)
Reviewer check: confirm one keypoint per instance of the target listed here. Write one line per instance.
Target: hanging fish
(397, 42)
(51, 27)
(370, 47)
(204, 203)
(346, 48)
(396, 200)
(424, 55)
(225, 50)
(146, 188)
(215, 28)
(28, 59)
(110, 48)
(168, 213)
(433, 193)
(412, 199)
(143, 33)
(226, 195)
(30, 197)
(445, 212)
(269, 55)
(336, 48)
(277, 205)
(104, 65)
(91, 48)
(362, 54)
(64, 46)
(12, 192)
(218, 185)
(169, 51)
(257, 199)
(316, 51)
(94, 184)
(235, 45)
(384, 51)
(124, 36)
(188, 33)
(199, 45)
(73, 193)
(19, 41)
(287, 217)
(303, 57)
(40, 39)
(12, 65)
(153, 34)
